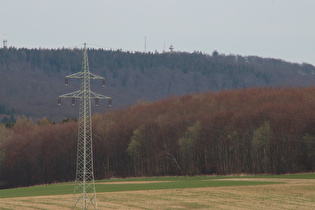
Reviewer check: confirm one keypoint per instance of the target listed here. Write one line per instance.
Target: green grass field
(158, 183)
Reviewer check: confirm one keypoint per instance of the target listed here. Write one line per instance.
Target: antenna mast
(84, 189)
(145, 44)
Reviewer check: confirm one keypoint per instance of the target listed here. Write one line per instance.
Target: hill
(254, 131)
(32, 79)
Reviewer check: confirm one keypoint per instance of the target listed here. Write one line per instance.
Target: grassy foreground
(203, 192)
(152, 183)
(132, 184)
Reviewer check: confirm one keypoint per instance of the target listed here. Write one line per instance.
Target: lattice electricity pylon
(84, 189)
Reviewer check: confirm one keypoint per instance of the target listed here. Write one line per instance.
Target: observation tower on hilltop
(5, 43)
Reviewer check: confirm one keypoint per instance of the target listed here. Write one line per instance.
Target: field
(201, 192)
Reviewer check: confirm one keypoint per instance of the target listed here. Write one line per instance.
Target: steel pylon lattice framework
(84, 190)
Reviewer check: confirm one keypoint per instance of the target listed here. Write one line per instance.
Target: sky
(282, 29)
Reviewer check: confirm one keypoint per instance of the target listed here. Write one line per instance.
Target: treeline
(69, 60)
(257, 130)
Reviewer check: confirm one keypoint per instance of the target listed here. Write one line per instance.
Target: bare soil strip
(292, 194)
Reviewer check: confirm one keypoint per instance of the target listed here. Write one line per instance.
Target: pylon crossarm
(79, 94)
(94, 76)
(77, 75)
(99, 96)
(81, 75)
(75, 94)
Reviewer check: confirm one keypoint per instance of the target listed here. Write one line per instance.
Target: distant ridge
(32, 79)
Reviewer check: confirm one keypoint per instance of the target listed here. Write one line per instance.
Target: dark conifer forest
(32, 79)
(173, 114)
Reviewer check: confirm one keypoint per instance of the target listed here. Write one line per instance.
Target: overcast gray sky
(282, 29)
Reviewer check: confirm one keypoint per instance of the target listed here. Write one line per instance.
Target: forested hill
(32, 79)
